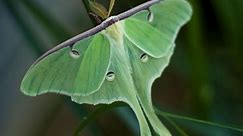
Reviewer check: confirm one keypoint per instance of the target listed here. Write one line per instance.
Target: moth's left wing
(79, 71)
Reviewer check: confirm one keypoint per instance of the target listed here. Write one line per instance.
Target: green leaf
(179, 117)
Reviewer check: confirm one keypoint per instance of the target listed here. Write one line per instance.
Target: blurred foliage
(204, 79)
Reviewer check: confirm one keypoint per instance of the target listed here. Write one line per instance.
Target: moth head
(98, 10)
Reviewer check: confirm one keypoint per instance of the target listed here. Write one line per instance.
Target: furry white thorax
(115, 33)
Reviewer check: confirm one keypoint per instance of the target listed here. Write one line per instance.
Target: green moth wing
(70, 71)
(167, 17)
(148, 45)
(119, 63)
(141, 34)
(146, 69)
(155, 30)
(118, 86)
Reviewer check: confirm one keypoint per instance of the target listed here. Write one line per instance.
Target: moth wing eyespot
(150, 16)
(110, 76)
(144, 57)
(74, 53)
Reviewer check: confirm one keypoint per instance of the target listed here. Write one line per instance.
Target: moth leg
(96, 18)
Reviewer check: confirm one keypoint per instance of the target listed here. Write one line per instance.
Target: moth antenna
(112, 3)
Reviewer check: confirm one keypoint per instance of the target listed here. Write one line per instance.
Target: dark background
(204, 79)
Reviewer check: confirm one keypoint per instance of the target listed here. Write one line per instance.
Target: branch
(99, 28)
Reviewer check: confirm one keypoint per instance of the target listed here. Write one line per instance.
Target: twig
(99, 28)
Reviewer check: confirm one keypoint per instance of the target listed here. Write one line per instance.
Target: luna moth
(118, 60)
